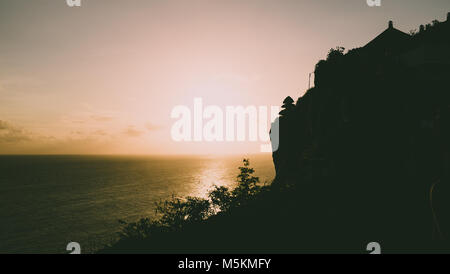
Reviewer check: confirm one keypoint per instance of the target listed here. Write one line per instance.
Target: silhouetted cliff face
(371, 139)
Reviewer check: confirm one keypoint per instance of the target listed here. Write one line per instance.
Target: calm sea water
(49, 201)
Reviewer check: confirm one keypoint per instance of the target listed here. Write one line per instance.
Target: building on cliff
(427, 49)
(375, 127)
(389, 42)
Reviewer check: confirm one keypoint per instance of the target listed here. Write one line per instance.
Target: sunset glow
(103, 78)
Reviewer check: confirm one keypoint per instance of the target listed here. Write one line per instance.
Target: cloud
(3, 125)
(101, 118)
(100, 132)
(131, 131)
(90, 134)
(15, 140)
(153, 127)
(12, 134)
(89, 117)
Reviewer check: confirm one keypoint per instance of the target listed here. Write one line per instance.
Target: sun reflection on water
(213, 172)
(222, 171)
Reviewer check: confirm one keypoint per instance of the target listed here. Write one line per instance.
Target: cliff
(369, 144)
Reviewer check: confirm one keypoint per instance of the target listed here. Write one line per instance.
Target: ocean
(49, 201)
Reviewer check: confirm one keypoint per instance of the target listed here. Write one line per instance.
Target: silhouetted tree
(246, 189)
(177, 213)
(335, 53)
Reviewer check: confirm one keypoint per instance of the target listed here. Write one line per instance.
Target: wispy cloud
(153, 127)
(12, 134)
(131, 131)
(102, 117)
(14, 139)
(89, 117)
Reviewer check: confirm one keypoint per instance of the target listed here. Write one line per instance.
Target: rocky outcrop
(370, 142)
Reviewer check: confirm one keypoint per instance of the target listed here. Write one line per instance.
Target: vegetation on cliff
(178, 215)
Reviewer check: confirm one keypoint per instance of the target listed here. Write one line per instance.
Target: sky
(104, 78)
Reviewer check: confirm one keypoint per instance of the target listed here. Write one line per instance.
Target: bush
(175, 213)
(221, 198)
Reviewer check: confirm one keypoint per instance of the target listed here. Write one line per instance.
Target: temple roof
(389, 39)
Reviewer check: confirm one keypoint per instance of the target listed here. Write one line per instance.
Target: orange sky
(103, 78)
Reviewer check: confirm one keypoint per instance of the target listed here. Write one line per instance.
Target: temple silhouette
(367, 148)
(391, 41)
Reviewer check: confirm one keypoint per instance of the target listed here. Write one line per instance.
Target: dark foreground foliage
(178, 216)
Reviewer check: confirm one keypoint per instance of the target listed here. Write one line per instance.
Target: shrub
(175, 213)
